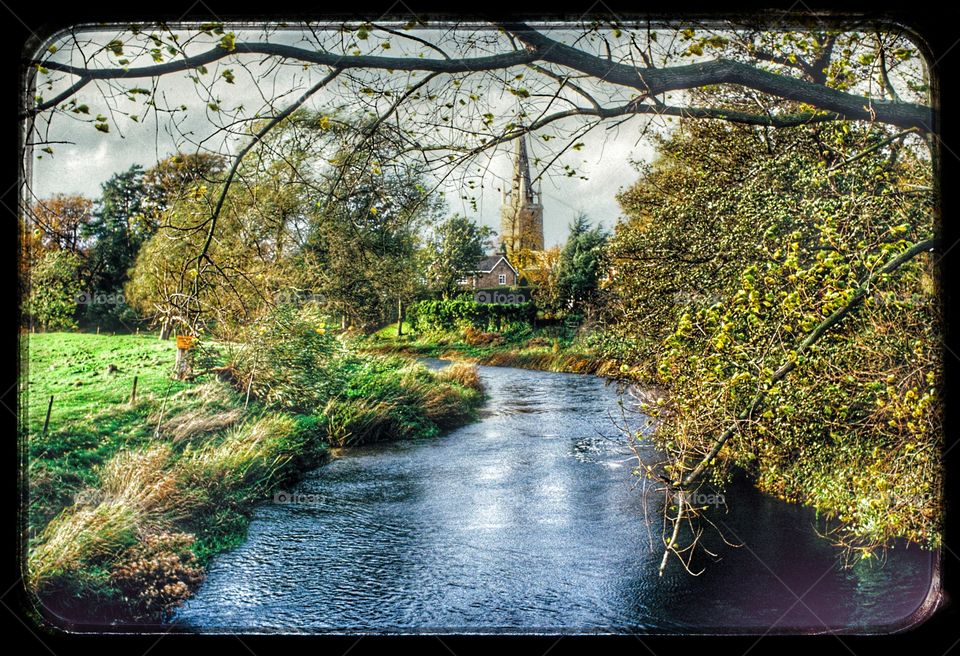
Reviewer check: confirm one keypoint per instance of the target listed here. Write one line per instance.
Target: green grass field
(91, 417)
(72, 367)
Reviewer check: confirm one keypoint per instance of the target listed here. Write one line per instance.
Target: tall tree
(118, 229)
(451, 251)
(60, 222)
(581, 265)
(55, 291)
(364, 233)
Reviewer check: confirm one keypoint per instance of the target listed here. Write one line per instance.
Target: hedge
(442, 315)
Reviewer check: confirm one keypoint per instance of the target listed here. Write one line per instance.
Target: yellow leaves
(228, 42)
(324, 122)
(374, 211)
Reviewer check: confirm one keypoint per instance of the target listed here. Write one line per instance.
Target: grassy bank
(547, 349)
(129, 500)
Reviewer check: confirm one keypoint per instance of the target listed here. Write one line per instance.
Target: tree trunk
(165, 330)
(399, 317)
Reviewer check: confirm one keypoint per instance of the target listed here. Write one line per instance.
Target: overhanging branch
(834, 104)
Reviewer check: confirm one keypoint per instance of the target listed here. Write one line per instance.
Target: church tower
(521, 216)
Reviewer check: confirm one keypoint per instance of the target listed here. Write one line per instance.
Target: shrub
(54, 290)
(290, 360)
(157, 574)
(475, 337)
(445, 315)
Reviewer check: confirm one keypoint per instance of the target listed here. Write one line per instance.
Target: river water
(531, 521)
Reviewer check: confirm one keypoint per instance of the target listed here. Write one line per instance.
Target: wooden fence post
(133, 394)
(46, 422)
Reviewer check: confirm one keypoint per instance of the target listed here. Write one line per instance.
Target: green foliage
(290, 359)
(55, 290)
(364, 227)
(692, 224)
(582, 263)
(442, 315)
(129, 212)
(119, 229)
(247, 275)
(853, 430)
(452, 251)
(296, 364)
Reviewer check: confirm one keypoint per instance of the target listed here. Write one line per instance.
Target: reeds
(462, 373)
(77, 537)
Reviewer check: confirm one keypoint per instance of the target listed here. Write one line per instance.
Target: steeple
(521, 216)
(522, 181)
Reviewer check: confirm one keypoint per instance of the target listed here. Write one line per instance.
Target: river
(531, 521)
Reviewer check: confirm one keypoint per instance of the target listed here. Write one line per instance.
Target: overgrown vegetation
(556, 347)
(782, 291)
(444, 315)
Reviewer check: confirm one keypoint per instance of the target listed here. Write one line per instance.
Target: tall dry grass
(77, 537)
(462, 373)
(248, 454)
(144, 493)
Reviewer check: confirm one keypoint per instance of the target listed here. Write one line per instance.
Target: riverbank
(528, 349)
(130, 497)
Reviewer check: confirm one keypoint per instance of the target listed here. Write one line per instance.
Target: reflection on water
(529, 520)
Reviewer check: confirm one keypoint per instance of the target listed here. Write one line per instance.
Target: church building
(521, 231)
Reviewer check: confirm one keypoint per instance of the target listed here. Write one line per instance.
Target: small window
(503, 279)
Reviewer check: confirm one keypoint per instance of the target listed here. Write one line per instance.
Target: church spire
(522, 181)
(521, 217)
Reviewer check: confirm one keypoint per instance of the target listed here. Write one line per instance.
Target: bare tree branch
(540, 48)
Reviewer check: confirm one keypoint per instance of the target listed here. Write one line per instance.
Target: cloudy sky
(82, 167)
(90, 157)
